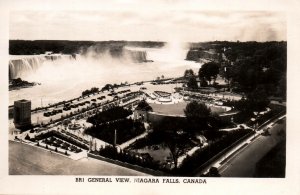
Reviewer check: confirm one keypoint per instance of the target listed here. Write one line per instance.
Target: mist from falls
(171, 52)
(67, 76)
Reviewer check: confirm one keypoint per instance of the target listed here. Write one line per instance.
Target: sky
(148, 25)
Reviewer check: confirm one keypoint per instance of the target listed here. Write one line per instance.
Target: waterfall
(20, 66)
(135, 55)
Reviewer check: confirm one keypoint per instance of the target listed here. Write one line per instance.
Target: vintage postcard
(129, 94)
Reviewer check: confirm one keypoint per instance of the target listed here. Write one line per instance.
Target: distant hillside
(25, 47)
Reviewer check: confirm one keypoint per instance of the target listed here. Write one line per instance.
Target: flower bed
(52, 135)
(53, 141)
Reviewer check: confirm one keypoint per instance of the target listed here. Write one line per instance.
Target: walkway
(126, 144)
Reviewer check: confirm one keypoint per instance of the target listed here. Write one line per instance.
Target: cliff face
(196, 54)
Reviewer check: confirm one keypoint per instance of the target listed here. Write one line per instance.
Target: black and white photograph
(177, 96)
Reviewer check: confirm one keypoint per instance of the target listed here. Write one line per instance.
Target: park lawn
(172, 109)
(178, 108)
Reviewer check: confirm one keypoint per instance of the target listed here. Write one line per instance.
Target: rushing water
(64, 77)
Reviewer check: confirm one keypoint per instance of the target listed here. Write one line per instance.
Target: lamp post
(115, 138)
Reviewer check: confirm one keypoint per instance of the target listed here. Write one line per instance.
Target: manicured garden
(152, 143)
(173, 138)
(58, 143)
(105, 124)
(56, 138)
(125, 129)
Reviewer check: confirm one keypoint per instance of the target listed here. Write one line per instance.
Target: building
(22, 113)
(141, 111)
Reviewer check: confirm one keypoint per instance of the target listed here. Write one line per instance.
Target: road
(243, 163)
(29, 160)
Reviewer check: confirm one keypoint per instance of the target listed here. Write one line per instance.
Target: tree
(203, 83)
(143, 105)
(196, 110)
(209, 71)
(231, 55)
(188, 73)
(281, 88)
(192, 83)
(171, 131)
(176, 145)
(197, 115)
(107, 87)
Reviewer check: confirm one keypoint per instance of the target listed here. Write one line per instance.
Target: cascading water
(23, 66)
(136, 55)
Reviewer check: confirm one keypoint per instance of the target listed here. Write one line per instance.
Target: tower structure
(22, 113)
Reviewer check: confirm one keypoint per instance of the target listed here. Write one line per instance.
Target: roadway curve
(243, 163)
